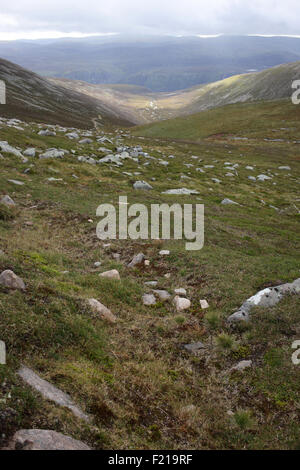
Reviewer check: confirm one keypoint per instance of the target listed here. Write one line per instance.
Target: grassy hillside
(264, 120)
(31, 97)
(142, 389)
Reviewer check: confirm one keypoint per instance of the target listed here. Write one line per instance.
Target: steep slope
(31, 97)
(141, 105)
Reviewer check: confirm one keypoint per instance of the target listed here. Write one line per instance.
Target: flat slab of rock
(102, 311)
(112, 274)
(181, 192)
(50, 392)
(42, 439)
(10, 280)
(264, 298)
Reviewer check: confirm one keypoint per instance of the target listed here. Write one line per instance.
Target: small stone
(149, 299)
(16, 182)
(180, 291)
(112, 274)
(151, 283)
(227, 202)
(193, 347)
(162, 294)
(10, 280)
(137, 260)
(103, 311)
(147, 262)
(97, 264)
(204, 304)
(167, 275)
(181, 303)
(242, 365)
(164, 252)
(30, 152)
(142, 185)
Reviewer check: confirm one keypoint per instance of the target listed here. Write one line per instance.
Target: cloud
(36, 18)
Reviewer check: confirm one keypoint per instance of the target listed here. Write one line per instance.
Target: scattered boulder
(151, 283)
(30, 152)
(204, 304)
(43, 439)
(16, 182)
(181, 303)
(180, 291)
(194, 347)
(263, 177)
(112, 274)
(227, 202)
(288, 168)
(7, 201)
(10, 280)
(50, 392)
(47, 133)
(137, 260)
(6, 148)
(163, 295)
(72, 135)
(242, 366)
(142, 185)
(149, 299)
(52, 153)
(181, 191)
(103, 311)
(164, 252)
(85, 141)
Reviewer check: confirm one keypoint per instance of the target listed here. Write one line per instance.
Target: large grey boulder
(10, 280)
(50, 392)
(43, 439)
(264, 298)
(47, 133)
(7, 201)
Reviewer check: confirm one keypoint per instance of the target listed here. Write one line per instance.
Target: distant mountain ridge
(160, 63)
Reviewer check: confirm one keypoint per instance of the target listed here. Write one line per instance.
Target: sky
(32, 19)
